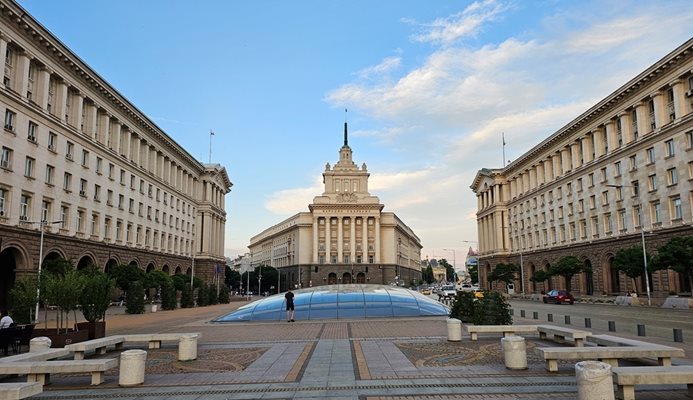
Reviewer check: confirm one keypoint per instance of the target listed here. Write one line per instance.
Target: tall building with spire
(345, 237)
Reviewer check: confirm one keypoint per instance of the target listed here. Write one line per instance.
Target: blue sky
(429, 85)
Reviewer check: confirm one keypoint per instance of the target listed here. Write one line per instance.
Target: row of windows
(354, 185)
(579, 229)
(346, 259)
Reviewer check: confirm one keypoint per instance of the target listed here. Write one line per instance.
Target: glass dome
(356, 301)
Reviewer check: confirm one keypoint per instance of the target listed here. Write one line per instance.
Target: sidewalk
(337, 359)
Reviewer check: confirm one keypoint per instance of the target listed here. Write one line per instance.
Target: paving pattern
(360, 360)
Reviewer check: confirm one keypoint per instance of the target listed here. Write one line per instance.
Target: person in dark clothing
(289, 296)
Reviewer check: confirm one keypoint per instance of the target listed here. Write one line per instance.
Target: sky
(430, 88)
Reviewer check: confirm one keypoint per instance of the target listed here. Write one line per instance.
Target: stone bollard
(187, 348)
(454, 330)
(594, 381)
(515, 352)
(40, 343)
(154, 307)
(132, 367)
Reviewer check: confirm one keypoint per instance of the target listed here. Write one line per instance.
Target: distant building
(80, 162)
(344, 238)
(623, 167)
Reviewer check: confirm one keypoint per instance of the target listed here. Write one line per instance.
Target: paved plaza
(336, 359)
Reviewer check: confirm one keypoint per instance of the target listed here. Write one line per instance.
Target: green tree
(463, 306)
(224, 295)
(427, 275)
(23, 299)
(168, 295)
(539, 276)
(492, 309)
(270, 278)
(503, 273)
(677, 254)
(64, 291)
(474, 273)
(630, 262)
(125, 274)
(449, 270)
(213, 295)
(232, 278)
(203, 295)
(567, 267)
(186, 297)
(96, 296)
(135, 298)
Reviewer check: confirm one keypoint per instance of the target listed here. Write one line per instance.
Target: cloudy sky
(430, 87)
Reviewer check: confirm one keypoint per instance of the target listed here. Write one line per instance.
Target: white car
(448, 291)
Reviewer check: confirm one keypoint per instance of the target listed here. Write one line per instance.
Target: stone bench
(627, 377)
(610, 340)
(155, 339)
(49, 354)
(559, 334)
(19, 390)
(99, 345)
(607, 354)
(39, 371)
(507, 330)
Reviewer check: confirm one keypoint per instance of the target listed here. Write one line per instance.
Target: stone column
(135, 156)
(377, 240)
(364, 238)
(541, 178)
(60, 99)
(681, 106)
(328, 244)
(626, 128)
(77, 108)
(611, 135)
(556, 164)
(454, 330)
(102, 134)
(575, 155)
(3, 49)
(316, 239)
(565, 159)
(115, 134)
(125, 142)
(641, 114)
(598, 142)
(586, 149)
(659, 109)
(90, 119)
(22, 73)
(40, 343)
(352, 239)
(41, 92)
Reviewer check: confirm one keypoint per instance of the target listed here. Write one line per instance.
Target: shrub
(96, 296)
(203, 295)
(135, 298)
(493, 309)
(463, 306)
(213, 296)
(186, 298)
(168, 296)
(224, 295)
(23, 299)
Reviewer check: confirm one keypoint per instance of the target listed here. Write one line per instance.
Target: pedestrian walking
(289, 296)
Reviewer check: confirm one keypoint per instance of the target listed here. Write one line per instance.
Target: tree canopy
(567, 267)
(677, 254)
(630, 262)
(503, 273)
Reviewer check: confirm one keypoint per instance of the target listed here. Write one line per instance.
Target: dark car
(558, 297)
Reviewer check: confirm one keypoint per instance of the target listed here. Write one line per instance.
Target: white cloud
(385, 66)
(290, 201)
(467, 23)
(385, 181)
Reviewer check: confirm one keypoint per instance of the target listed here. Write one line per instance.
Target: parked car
(447, 291)
(426, 291)
(558, 297)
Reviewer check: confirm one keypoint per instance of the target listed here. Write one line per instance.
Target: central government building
(622, 168)
(344, 238)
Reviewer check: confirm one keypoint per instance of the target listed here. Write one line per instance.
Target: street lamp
(454, 264)
(42, 225)
(642, 237)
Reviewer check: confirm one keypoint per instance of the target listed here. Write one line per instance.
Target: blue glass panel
(378, 311)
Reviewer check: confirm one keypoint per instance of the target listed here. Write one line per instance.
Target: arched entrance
(178, 271)
(85, 263)
(346, 278)
(110, 264)
(8, 266)
(150, 267)
(614, 277)
(188, 271)
(360, 277)
(531, 270)
(547, 283)
(589, 278)
(332, 278)
(166, 269)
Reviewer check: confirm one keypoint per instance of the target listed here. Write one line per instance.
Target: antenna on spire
(346, 141)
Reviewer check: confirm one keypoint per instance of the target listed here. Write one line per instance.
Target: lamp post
(42, 225)
(642, 238)
(454, 264)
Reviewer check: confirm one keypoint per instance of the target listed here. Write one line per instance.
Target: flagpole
(503, 136)
(211, 133)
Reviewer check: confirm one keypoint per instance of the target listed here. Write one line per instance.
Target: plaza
(401, 358)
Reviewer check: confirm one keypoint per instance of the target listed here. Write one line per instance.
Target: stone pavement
(352, 359)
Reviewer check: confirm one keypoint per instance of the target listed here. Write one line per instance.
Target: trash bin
(454, 330)
(594, 380)
(132, 364)
(515, 352)
(511, 288)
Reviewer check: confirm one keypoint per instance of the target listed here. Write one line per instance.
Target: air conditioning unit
(96, 197)
(2, 213)
(23, 218)
(82, 193)
(31, 138)
(9, 127)
(109, 202)
(5, 163)
(689, 93)
(68, 156)
(51, 147)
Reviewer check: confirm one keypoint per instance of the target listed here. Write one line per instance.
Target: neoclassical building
(623, 167)
(344, 238)
(83, 164)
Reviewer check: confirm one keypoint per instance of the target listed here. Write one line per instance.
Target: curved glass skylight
(356, 301)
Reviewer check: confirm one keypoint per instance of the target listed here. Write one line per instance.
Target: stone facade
(81, 162)
(622, 168)
(345, 238)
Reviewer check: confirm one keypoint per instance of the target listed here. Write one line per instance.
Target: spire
(346, 140)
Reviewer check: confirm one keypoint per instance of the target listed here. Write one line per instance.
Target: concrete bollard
(187, 348)
(515, 352)
(594, 380)
(612, 326)
(154, 308)
(567, 319)
(40, 343)
(522, 313)
(641, 330)
(678, 335)
(454, 330)
(132, 364)
(588, 322)
(535, 315)
(549, 317)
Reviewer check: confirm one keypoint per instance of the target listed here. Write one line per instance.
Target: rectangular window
(29, 167)
(632, 163)
(635, 186)
(652, 182)
(603, 171)
(94, 225)
(676, 210)
(132, 181)
(689, 140)
(671, 151)
(619, 193)
(67, 182)
(10, 118)
(637, 217)
(608, 223)
(3, 195)
(64, 216)
(121, 200)
(605, 198)
(657, 212)
(97, 192)
(617, 168)
(99, 165)
(131, 206)
(85, 158)
(109, 197)
(650, 155)
(45, 210)
(6, 158)
(24, 207)
(672, 176)
(122, 177)
(595, 227)
(337, 185)
(82, 187)
(52, 141)
(32, 132)
(111, 171)
(622, 220)
(69, 150)
(50, 172)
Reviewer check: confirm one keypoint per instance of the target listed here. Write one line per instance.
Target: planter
(64, 338)
(96, 329)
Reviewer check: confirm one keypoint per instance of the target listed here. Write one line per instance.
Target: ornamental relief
(347, 198)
